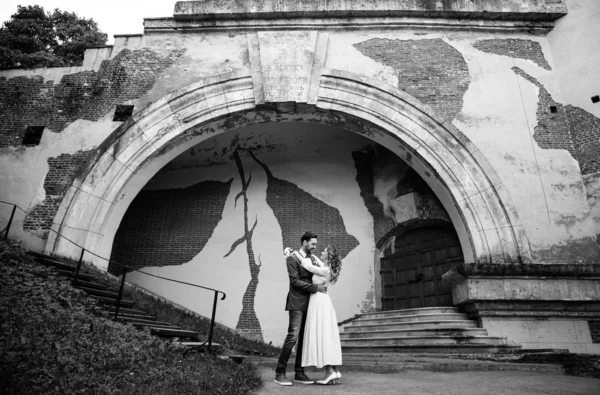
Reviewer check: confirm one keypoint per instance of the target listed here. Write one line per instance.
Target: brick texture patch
(570, 128)
(169, 227)
(61, 173)
(430, 70)
(298, 211)
(594, 326)
(514, 48)
(85, 95)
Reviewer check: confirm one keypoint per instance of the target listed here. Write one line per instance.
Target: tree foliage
(35, 38)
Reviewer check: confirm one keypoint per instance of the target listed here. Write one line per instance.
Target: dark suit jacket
(301, 285)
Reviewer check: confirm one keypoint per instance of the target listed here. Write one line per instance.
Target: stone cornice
(507, 10)
(172, 25)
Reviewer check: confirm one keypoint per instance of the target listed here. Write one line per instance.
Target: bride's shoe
(329, 380)
(338, 379)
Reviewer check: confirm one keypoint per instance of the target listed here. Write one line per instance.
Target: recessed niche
(123, 112)
(33, 135)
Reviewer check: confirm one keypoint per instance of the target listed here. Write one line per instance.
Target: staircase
(439, 330)
(107, 299)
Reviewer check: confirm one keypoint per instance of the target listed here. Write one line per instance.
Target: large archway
(466, 184)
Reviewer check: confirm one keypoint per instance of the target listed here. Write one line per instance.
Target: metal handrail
(124, 273)
(12, 215)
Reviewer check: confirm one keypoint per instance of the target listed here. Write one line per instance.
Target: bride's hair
(335, 262)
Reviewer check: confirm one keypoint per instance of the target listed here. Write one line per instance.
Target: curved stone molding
(457, 172)
(492, 224)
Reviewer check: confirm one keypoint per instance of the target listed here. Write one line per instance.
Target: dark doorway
(412, 276)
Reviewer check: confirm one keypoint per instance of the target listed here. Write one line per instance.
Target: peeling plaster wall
(575, 47)
(303, 157)
(498, 113)
(499, 110)
(23, 169)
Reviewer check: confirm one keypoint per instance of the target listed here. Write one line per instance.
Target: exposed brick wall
(570, 128)
(585, 129)
(169, 227)
(514, 48)
(364, 177)
(85, 95)
(248, 323)
(62, 171)
(594, 326)
(430, 70)
(298, 211)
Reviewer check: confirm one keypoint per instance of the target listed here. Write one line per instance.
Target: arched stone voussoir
(471, 191)
(471, 180)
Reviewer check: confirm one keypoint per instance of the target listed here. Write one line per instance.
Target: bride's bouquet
(287, 251)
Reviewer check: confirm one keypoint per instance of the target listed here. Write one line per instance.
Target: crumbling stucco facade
(478, 116)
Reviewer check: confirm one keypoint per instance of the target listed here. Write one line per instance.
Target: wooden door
(412, 276)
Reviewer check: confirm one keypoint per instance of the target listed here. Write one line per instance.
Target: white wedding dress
(321, 335)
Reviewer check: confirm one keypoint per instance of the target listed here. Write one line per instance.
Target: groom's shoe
(281, 379)
(302, 378)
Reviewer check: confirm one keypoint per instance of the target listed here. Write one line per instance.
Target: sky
(113, 16)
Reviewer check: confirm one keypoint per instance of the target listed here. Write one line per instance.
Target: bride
(321, 337)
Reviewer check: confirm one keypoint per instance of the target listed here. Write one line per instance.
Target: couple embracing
(313, 322)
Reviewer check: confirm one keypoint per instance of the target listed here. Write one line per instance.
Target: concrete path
(431, 383)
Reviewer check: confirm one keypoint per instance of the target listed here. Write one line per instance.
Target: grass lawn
(54, 339)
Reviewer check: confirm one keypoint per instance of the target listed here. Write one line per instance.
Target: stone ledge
(508, 10)
(538, 309)
(464, 270)
(526, 288)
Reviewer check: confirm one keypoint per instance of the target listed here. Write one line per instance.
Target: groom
(301, 287)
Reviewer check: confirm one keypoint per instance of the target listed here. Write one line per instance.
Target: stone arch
(458, 173)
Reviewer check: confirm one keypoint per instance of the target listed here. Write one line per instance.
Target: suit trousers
(295, 334)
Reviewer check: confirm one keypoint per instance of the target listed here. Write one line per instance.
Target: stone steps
(126, 310)
(453, 332)
(144, 322)
(144, 316)
(54, 263)
(88, 284)
(425, 330)
(445, 324)
(99, 291)
(432, 349)
(405, 312)
(394, 341)
(171, 332)
(410, 318)
(388, 363)
(81, 276)
(113, 301)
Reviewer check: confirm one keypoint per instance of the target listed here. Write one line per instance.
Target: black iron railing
(124, 269)
(12, 216)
